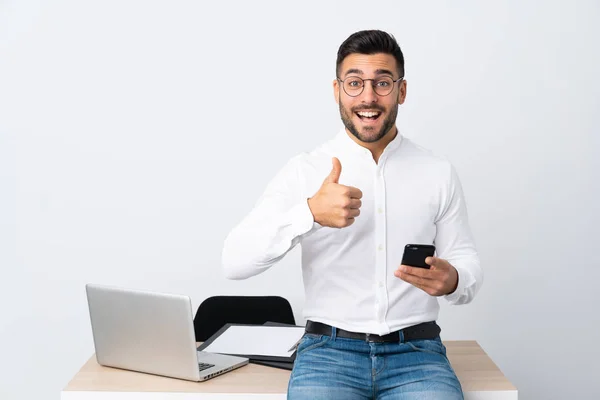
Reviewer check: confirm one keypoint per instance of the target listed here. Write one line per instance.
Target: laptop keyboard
(204, 366)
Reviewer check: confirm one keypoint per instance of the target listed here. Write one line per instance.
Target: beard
(369, 134)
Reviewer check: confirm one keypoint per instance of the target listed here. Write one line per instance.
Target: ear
(402, 92)
(336, 90)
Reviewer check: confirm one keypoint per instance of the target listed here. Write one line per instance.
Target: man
(354, 203)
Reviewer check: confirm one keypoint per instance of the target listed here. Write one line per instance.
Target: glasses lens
(383, 86)
(353, 85)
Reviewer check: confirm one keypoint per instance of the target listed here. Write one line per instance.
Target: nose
(368, 95)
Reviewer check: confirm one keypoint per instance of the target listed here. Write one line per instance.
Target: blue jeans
(329, 367)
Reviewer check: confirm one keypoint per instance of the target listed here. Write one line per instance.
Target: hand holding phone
(415, 255)
(442, 280)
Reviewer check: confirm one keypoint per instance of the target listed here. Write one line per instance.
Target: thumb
(334, 175)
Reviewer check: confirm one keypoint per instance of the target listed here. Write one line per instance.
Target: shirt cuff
(303, 220)
(463, 282)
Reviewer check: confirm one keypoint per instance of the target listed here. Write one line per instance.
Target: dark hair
(370, 42)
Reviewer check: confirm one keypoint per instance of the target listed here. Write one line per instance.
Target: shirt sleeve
(454, 242)
(276, 224)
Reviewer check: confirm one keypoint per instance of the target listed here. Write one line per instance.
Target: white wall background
(135, 134)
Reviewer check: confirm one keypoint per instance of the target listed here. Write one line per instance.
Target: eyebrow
(377, 72)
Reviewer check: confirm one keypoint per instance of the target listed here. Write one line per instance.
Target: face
(369, 116)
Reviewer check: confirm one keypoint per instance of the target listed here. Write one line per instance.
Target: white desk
(479, 376)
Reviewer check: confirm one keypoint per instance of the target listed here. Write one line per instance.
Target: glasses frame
(363, 86)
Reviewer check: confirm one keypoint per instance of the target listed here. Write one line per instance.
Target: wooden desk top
(480, 378)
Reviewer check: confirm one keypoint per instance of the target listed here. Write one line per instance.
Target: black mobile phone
(415, 255)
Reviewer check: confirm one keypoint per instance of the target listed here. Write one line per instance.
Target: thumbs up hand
(335, 205)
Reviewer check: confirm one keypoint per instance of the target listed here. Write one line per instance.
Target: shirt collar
(347, 143)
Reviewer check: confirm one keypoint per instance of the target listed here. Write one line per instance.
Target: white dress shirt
(409, 197)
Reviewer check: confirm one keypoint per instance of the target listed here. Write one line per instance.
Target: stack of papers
(265, 344)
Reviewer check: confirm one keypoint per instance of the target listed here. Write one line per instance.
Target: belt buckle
(373, 338)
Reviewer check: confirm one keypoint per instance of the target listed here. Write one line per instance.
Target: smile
(368, 115)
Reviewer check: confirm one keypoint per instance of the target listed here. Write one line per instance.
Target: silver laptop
(151, 332)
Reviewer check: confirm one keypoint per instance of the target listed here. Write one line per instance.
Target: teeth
(368, 114)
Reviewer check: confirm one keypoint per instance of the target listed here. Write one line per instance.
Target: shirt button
(380, 210)
(380, 284)
(380, 247)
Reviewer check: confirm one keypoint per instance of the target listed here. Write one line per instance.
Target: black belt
(426, 330)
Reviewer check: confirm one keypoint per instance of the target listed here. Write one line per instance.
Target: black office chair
(217, 311)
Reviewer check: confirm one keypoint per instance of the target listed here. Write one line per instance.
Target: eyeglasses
(354, 85)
